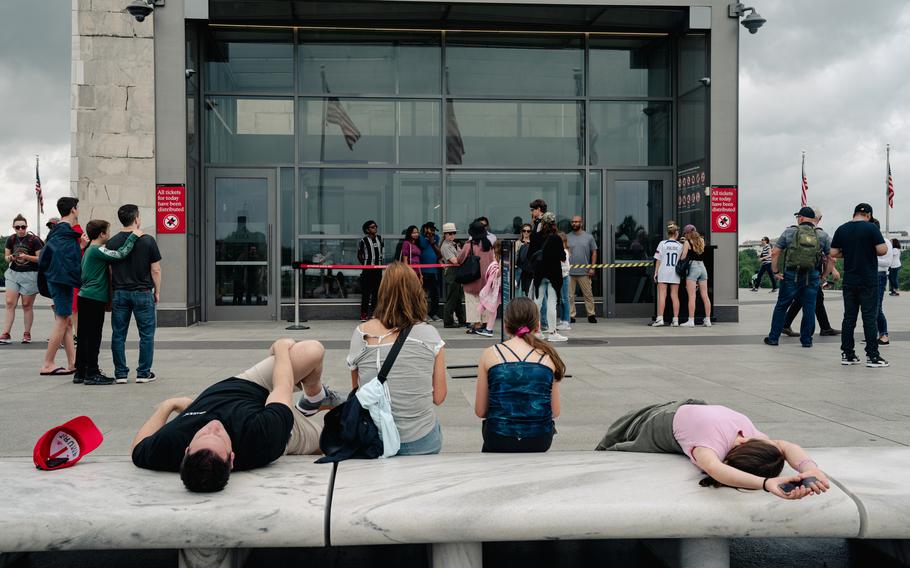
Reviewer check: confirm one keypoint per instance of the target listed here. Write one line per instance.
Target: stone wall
(113, 111)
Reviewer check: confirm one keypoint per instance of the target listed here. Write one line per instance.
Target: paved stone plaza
(803, 395)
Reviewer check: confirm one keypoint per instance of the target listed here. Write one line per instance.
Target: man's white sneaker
(556, 338)
(689, 323)
(563, 326)
(659, 322)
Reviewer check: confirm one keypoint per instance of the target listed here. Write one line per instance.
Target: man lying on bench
(243, 422)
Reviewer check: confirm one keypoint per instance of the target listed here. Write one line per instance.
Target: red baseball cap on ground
(64, 445)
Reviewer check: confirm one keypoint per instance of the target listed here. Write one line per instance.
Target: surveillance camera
(753, 21)
(706, 81)
(140, 9)
(190, 73)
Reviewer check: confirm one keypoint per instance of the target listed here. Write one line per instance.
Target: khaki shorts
(472, 308)
(305, 433)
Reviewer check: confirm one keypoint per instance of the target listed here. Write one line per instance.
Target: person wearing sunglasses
(21, 253)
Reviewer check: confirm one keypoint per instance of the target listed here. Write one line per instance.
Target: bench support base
(692, 552)
(213, 557)
(458, 555)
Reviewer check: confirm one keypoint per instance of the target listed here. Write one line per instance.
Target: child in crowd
(490, 296)
(667, 255)
(721, 442)
(94, 297)
(518, 385)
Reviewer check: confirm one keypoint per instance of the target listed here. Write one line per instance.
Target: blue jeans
(881, 322)
(856, 297)
(802, 285)
(893, 278)
(127, 303)
(429, 444)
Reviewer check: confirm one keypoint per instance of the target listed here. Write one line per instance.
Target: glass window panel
(506, 64)
(629, 67)
(254, 61)
(369, 131)
(693, 125)
(350, 63)
(503, 197)
(317, 283)
(338, 201)
(629, 134)
(638, 221)
(693, 62)
(242, 131)
(514, 133)
(594, 224)
(288, 231)
(241, 243)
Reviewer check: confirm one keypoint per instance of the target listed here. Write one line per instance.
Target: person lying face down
(243, 422)
(721, 442)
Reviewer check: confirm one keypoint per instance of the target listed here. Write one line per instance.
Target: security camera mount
(141, 9)
(752, 21)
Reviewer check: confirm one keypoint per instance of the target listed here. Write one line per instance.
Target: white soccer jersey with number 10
(668, 253)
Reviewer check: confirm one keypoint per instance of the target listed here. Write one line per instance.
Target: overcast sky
(826, 76)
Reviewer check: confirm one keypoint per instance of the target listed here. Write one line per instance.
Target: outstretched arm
(159, 418)
(806, 466)
(730, 476)
(122, 252)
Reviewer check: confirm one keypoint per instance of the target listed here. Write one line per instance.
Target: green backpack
(804, 252)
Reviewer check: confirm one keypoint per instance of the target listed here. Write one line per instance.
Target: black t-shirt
(857, 240)
(30, 245)
(135, 271)
(259, 432)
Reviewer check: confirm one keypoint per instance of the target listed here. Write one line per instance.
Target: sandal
(58, 372)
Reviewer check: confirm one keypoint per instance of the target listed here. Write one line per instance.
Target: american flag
(38, 193)
(890, 186)
(454, 141)
(335, 114)
(805, 183)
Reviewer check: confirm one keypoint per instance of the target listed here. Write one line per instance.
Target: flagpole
(37, 201)
(887, 196)
(803, 189)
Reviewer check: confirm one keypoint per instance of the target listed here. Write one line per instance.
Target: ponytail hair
(522, 319)
(758, 457)
(672, 229)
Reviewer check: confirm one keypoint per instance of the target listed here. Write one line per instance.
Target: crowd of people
(548, 269)
(803, 258)
(86, 272)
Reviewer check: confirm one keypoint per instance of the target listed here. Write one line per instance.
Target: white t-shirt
(896, 258)
(668, 253)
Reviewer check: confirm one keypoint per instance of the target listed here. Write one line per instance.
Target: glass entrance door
(636, 208)
(239, 223)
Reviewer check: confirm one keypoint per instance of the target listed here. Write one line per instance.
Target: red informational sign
(723, 209)
(170, 203)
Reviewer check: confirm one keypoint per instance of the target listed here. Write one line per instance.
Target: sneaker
(120, 380)
(754, 290)
(99, 379)
(451, 325)
(773, 291)
(563, 326)
(592, 319)
(789, 332)
(5, 339)
(78, 379)
(484, 332)
(145, 378)
(849, 359)
(675, 322)
(830, 331)
(331, 400)
(876, 361)
(571, 320)
(769, 341)
(689, 323)
(26, 337)
(707, 322)
(363, 317)
(807, 345)
(435, 318)
(659, 322)
(556, 338)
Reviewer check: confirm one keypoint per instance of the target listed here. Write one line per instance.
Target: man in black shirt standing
(860, 243)
(242, 422)
(137, 284)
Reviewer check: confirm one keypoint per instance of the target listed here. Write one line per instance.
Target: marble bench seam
(861, 509)
(327, 515)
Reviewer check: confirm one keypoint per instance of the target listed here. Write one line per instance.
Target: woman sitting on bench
(518, 385)
(721, 442)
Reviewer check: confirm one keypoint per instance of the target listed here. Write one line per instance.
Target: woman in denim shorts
(694, 250)
(21, 253)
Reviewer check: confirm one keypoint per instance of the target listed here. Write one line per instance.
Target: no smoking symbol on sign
(723, 221)
(171, 222)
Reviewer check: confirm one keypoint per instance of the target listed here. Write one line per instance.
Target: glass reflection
(594, 224)
(629, 133)
(629, 67)
(508, 64)
(637, 219)
(507, 133)
(244, 131)
(241, 244)
(327, 282)
(252, 61)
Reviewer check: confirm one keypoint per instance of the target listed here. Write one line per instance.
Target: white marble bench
(452, 501)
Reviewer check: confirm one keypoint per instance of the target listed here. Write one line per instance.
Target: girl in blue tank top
(518, 385)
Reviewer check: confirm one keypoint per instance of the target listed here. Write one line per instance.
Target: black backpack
(349, 432)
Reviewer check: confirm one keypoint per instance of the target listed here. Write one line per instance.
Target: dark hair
(539, 204)
(127, 214)
(65, 205)
(366, 225)
(479, 235)
(95, 227)
(758, 457)
(407, 232)
(896, 244)
(766, 240)
(483, 220)
(523, 312)
(20, 217)
(204, 471)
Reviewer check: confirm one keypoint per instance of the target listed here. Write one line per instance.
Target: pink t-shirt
(710, 426)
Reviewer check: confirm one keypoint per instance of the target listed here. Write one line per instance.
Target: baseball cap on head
(64, 445)
(807, 212)
(863, 208)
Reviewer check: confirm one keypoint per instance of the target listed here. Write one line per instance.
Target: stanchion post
(506, 274)
(297, 325)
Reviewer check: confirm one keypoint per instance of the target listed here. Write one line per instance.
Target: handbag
(682, 267)
(469, 270)
(349, 431)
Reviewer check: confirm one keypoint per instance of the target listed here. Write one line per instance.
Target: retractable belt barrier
(309, 266)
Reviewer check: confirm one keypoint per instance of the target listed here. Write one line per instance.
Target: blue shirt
(428, 254)
(520, 399)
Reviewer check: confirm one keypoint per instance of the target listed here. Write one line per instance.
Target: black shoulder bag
(349, 431)
(469, 270)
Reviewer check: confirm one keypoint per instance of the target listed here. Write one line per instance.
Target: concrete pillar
(458, 555)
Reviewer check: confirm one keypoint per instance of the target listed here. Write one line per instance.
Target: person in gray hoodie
(60, 266)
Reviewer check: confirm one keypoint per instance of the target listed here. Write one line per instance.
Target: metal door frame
(610, 177)
(269, 312)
